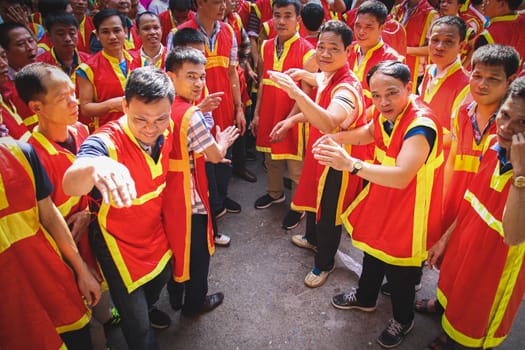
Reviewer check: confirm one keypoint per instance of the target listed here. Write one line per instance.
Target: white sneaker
(222, 240)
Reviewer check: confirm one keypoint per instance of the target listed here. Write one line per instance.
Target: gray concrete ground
(266, 304)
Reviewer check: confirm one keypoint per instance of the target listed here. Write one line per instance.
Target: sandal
(440, 343)
(428, 306)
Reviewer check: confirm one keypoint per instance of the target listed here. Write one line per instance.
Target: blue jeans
(133, 307)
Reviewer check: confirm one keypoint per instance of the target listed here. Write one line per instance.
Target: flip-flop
(424, 306)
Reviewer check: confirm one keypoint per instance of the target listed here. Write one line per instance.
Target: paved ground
(266, 304)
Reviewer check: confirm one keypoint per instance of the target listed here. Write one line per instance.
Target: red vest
(329, 14)
(85, 29)
(276, 104)
(135, 236)
(137, 57)
(466, 163)
(177, 206)
(476, 255)
(35, 280)
(217, 78)
(51, 58)
(244, 9)
(400, 234)
(314, 174)
(12, 121)
(11, 97)
(380, 52)
(263, 9)
(167, 23)
(108, 81)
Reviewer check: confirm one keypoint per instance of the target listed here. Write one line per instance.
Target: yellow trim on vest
(20, 225)
(422, 40)
(428, 96)
(217, 61)
(308, 55)
(278, 62)
(269, 82)
(263, 149)
(80, 323)
(497, 181)
(359, 69)
(115, 64)
(484, 213)
(466, 163)
(4, 203)
(31, 120)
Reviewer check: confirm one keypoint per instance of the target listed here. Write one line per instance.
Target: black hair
(340, 28)
(45, 7)
(453, 21)
(514, 4)
(312, 16)
(180, 5)
(389, 4)
(180, 55)
(394, 69)
(497, 55)
(283, 3)
(60, 18)
(29, 81)
(137, 20)
(5, 29)
(148, 84)
(516, 88)
(185, 36)
(104, 14)
(374, 8)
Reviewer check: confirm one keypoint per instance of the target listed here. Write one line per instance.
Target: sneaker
(387, 290)
(394, 334)
(348, 301)
(220, 213)
(316, 278)
(292, 219)
(159, 319)
(302, 242)
(267, 200)
(232, 206)
(222, 240)
(113, 322)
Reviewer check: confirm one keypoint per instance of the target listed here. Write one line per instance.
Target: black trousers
(196, 288)
(402, 280)
(78, 340)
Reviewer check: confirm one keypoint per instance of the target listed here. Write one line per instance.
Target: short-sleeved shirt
(43, 185)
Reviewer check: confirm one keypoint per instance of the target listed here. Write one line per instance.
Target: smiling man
(152, 52)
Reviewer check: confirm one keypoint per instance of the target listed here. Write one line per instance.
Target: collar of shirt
(435, 77)
(151, 60)
(211, 38)
(505, 164)
(67, 69)
(472, 112)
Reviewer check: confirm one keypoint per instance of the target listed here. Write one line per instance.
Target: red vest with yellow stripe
(380, 52)
(50, 57)
(400, 234)
(276, 104)
(177, 205)
(135, 236)
(35, 280)
(217, 78)
(314, 174)
(477, 255)
(85, 29)
(263, 9)
(12, 121)
(466, 163)
(11, 97)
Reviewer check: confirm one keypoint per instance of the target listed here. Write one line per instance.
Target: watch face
(519, 181)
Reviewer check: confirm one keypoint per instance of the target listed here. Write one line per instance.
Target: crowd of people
(123, 121)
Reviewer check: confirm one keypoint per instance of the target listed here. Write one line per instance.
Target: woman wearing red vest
(407, 169)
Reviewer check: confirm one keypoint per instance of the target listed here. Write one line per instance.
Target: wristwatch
(358, 165)
(519, 181)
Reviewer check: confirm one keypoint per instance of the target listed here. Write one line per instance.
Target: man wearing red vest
(85, 24)
(124, 166)
(186, 209)
(407, 169)
(489, 229)
(221, 75)
(152, 52)
(286, 51)
(176, 14)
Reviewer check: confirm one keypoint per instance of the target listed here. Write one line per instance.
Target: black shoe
(159, 319)
(232, 206)
(210, 303)
(292, 219)
(267, 200)
(287, 183)
(220, 213)
(245, 174)
(394, 334)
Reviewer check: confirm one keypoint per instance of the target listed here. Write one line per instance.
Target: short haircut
(339, 28)
(394, 69)
(60, 18)
(497, 55)
(283, 3)
(312, 16)
(453, 21)
(137, 20)
(29, 81)
(5, 29)
(374, 8)
(389, 4)
(104, 14)
(180, 55)
(180, 5)
(514, 4)
(45, 7)
(185, 36)
(148, 84)
(516, 88)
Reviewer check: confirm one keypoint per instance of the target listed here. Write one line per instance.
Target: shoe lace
(394, 328)
(351, 296)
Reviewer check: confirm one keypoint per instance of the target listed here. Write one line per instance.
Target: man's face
(490, 8)
(111, 34)
(7, 10)
(60, 105)
(285, 21)
(22, 48)
(4, 75)
(122, 6)
(150, 30)
(189, 80)
(134, 8)
(63, 37)
(510, 120)
(180, 16)
(79, 7)
(488, 84)
(389, 95)
(330, 53)
(367, 30)
(444, 44)
(449, 7)
(147, 121)
(213, 9)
